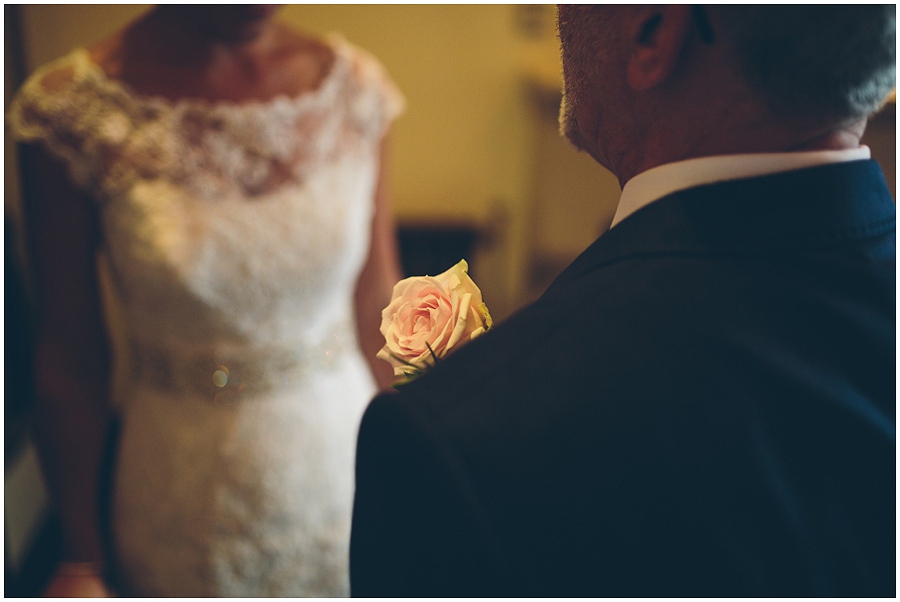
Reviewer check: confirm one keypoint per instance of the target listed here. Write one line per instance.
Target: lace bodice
(226, 223)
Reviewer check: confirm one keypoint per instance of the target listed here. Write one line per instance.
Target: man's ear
(658, 40)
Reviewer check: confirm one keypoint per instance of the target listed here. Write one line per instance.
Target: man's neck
(843, 138)
(771, 139)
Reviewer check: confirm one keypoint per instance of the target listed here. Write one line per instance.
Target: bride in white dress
(229, 171)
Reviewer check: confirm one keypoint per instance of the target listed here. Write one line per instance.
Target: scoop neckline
(333, 40)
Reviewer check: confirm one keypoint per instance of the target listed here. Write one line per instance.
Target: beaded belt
(226, 376)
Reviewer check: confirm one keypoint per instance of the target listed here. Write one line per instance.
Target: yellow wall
(461, 141)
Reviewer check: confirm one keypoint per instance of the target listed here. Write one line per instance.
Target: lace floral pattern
(110, 138)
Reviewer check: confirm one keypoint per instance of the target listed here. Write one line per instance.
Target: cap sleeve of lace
(60, 109)
(377, 99)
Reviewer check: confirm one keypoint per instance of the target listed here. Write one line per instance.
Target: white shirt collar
(655, 183)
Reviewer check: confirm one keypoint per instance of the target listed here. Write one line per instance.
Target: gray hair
(834, 62)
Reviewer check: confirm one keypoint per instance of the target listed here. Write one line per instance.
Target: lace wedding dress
(235, 234)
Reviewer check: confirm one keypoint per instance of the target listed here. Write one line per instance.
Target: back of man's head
(831, 63)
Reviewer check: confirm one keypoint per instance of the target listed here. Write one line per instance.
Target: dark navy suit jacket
(702, 404)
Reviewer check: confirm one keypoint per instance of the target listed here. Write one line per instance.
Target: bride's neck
(180, 34)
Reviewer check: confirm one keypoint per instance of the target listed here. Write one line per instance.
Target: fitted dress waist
(230, 373)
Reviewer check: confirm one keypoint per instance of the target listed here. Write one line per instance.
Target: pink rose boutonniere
(428, 317)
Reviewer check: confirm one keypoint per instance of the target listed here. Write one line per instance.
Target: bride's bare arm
(71, 363)
(380, 273)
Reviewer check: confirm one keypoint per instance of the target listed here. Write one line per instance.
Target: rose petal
(461, 321)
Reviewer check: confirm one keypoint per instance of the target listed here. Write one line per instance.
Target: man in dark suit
(703, 403)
